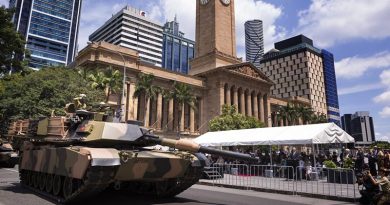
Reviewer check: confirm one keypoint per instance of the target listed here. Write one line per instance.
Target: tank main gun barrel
(191, 146)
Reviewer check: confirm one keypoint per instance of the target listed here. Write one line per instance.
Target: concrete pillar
(159, 111)
(170, 115)
(132, 106)
(255, 106)
(249, 104)
(228, 96)
(221, 97)
(242, 101)
(262, 114)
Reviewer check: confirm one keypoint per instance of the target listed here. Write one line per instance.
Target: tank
(8, 157)
(75, 157)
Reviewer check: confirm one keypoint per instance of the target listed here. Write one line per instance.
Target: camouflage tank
(8, 157)
(77, 156)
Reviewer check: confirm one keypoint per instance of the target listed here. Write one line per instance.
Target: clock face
(204, 2)
(226, 2)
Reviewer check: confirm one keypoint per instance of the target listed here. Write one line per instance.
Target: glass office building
(332, 101)
(177, 50)
(50, 28)
(254, 42)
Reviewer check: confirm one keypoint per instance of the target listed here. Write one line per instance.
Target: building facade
(50, 28)
(177, 50)
(332, 99)
(360, 126)
(254, 42)
(296, 67)
(131, 28)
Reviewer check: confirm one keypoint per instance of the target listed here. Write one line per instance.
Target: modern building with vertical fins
(131, 28)
(254, 42)
(50, 28)
(177, 50)
(332, 100)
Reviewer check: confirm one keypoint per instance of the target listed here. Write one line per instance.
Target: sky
(357, 32)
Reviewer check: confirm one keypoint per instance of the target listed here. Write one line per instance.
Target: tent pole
(314, 158)
(270, 153)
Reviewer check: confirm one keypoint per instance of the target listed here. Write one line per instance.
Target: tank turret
(8, 157)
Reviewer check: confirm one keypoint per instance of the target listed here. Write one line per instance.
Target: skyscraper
(360, 126)
(132, 29)
(50, 28)
(332, 100)
(254, 42)
(177, 50)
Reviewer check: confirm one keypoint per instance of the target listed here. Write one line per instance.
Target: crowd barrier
(319, 182)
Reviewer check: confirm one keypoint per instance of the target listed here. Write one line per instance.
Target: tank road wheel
(42, 181)
(49, 183)
(68, 187)
(163, 188)
(36, 180)
(23, 177)
(57, 185)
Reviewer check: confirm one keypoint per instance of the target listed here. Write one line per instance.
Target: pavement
(12, 193)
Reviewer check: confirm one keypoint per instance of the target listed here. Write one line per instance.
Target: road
(12, 193)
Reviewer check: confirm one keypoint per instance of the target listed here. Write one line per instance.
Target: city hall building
(217, 77)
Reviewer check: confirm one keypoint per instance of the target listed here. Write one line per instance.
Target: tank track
(96, 180)
(167, 188)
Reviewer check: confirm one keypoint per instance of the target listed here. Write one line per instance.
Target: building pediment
(248, 69)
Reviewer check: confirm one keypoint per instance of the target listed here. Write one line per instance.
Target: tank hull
(79, 172)
(8, 157)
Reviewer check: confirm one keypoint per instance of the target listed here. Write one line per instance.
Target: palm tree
(108, 80)
(304, 113)
(145, 87)
(183, 95)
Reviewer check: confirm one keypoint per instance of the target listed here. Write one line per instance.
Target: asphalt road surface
(12, 193)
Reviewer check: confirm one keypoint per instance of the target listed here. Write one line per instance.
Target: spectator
(335, 158)
(384, 183)
(372, 164)
(359, 160)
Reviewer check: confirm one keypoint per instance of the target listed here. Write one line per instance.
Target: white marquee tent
(290, 135)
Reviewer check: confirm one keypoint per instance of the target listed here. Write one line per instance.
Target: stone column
(262, 114)
(147, 113)
(249, 104)
(132, 105)
(170, 115)
(268, 111)
(256, 106)
(221, 96)
(192, 120)
(235, 98)
(228, 96)
(159, 111)
(242, 101)
(182, 121)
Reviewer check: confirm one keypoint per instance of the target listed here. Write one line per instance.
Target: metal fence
(319, 182)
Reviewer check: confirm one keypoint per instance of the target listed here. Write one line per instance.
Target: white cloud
(93, 15)
(385, 77)
(4, 3)
(385, 113)
(334, 21)
(244, 10)
(359, 88)
(353, 67)
(383, 98)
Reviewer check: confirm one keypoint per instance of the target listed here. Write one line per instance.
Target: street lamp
(123, 107)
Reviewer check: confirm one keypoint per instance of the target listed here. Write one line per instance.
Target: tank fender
(102, 156)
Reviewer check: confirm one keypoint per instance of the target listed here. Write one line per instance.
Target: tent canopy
(302, 134)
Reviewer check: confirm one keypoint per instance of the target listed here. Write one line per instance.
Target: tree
(304, 113)
(12, 44)
(145, 87)
(41, 92)
(109, 80)
(231, 120)
(183, 95)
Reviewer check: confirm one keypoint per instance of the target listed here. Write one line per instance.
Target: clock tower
(215, 36)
